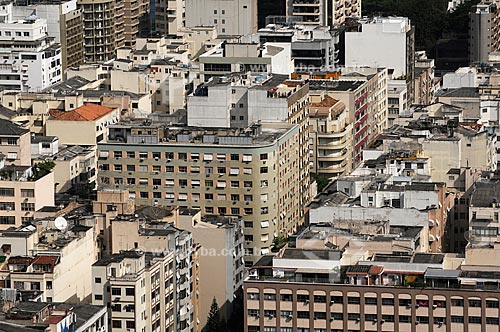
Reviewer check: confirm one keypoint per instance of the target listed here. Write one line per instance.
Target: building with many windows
(255, 172)
(138, 290)
(64, 24)
(31, 59)
(322, 12)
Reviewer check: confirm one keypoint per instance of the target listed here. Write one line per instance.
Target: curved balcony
(339, 156)
(333, 145)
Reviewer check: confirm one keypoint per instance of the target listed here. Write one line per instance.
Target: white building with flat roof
(31, 61)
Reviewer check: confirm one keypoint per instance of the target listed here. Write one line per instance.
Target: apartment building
(162, 239)
(386, 293)
(232, 17)
(397, 100)
(75, 167)
(58, 265)
(135, 20)
(14, 143)
(221, 264)
(24, 190)
(424, 84)
(85, 125)
(32, 60)
(365, 98)
(222, 171)
(64, 24)
(103, 29)
(29, 315)
(330, 135)
(169, 17)
(236, 56)
(483, 31)
(138, 290)
(323, 12)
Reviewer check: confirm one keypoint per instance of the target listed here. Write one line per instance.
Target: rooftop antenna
(61, 223)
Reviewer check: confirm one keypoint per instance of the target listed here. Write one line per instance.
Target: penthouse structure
(323, 12)
(245, 56)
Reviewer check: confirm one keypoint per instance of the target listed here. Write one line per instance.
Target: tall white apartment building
(231, 17)
(31, 61)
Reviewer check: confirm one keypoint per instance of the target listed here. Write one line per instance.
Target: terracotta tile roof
(45, 260)
(87, 112)
(326, 102)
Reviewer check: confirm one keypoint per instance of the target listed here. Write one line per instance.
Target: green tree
(278, 243)
(214, 322)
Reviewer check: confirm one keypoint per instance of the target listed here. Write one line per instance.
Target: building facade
(257, 176)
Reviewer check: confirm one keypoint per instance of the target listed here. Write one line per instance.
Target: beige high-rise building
(170, 16)
(111, 24)
(255, 172)
(231, 17)
(99, 29)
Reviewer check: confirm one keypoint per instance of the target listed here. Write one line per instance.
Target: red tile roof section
(87, 112)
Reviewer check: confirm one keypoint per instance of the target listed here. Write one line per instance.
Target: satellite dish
(60, 223)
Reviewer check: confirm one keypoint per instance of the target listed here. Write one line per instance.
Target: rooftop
(87, 112)
(8, 128)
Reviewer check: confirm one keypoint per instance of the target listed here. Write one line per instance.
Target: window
(303, 314)
(130, 324)
(492, 321)
(388, 318)
(129, 291)
(353, 300)
(130, 168)
(7, 220)
(370, 317)
(7, 206)
(319, 298)
(319, 315)
(457, 319)
(246, 184)
(248, 224)
(118, 167)
(253, 296)
(263, 156)
(117, 324)
(27, 206)
(118, 154)
(131, 154)
(235, 184)
(97, 280)
(387, 301)
(286, 297)
(491, 304)
(423, 319)
(404, 319)
(263, 170)
(235, 157)
(269, 297)
(371, 301)
(475, 319)
(12, 141)
(116, 307)
(475, 303)
(116, 291)
(98, 297)
(352, 316)
(182, 155)
(7, 192)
